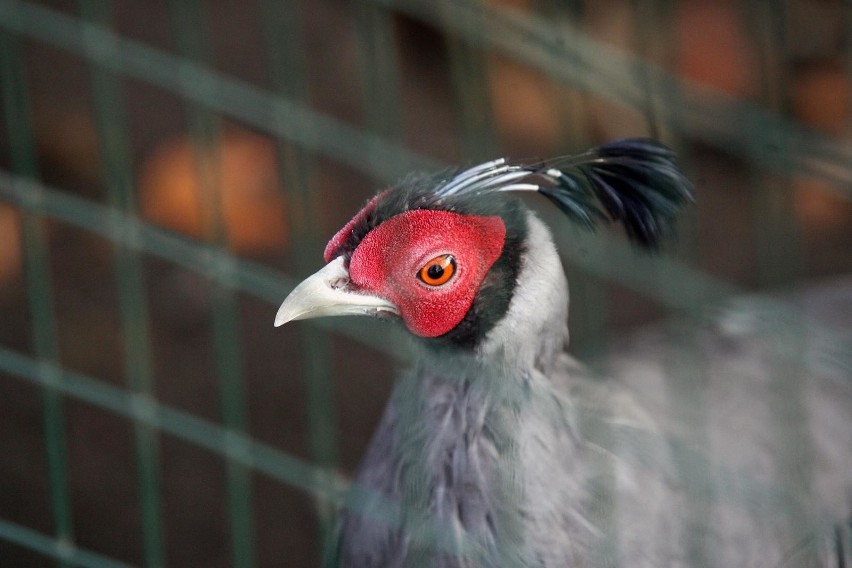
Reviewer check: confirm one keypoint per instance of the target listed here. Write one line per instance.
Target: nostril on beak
(338, 283)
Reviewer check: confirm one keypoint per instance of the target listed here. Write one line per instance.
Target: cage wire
(151, 415)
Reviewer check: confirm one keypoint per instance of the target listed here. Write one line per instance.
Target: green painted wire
(66, 554)
(289, 78)
(281, 117)
(39, 282)
(229, 444)
(469, 76)
(725, 122)
(190, 28)
(564, 53)
(222, 274)
(221, 441)
(779, 255)
(117, 163)
(212, 262)
(738, 486)
(380, 68)
(322, 483)
(589, 295)
(684, 379)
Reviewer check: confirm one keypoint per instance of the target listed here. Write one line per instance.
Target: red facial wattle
(387, 262)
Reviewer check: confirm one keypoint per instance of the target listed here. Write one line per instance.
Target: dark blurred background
(168, 170)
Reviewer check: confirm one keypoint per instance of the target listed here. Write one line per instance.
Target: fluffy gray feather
(691, 453)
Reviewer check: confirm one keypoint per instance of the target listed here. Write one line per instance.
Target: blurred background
(170, 169)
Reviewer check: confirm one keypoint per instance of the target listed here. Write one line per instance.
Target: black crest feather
(635, 182)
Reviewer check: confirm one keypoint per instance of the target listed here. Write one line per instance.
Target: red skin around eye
(388, 259)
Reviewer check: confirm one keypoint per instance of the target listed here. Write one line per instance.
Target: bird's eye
(438, 271)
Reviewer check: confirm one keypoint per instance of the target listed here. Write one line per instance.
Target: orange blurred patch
(10, 243)
(246, 175)
(821, 210)
(706, 44)
(713, 46)
(821, 98)
(68, 141)
(522, 104)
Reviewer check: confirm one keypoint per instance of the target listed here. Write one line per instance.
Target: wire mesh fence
(170, 169)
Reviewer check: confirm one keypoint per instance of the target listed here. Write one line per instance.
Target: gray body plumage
(517, 456)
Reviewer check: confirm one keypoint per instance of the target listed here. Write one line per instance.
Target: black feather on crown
(634, 181)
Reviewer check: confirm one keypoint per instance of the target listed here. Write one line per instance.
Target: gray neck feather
(447, 445)
(535, 330)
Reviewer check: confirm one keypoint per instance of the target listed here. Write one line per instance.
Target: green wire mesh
(367, 143)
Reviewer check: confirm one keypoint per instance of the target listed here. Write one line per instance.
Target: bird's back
(730, 437)
(693, 452)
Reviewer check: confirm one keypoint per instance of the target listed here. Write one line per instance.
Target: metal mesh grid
(370, 146)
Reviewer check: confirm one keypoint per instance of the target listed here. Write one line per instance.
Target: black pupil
(435, 271)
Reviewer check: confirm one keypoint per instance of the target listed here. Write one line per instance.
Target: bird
(497, 447)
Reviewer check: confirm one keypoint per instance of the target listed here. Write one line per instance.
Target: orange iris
(438, 271)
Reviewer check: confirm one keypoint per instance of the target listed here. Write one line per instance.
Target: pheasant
(499, 449)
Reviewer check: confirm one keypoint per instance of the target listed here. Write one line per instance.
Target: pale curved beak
(325, 294)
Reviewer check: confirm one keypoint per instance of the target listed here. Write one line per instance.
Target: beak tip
(316, 296)
(281, 318)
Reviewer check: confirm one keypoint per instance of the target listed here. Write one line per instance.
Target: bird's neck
(457, 415)
(454, 421)
(450, 443)
(534, 330)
